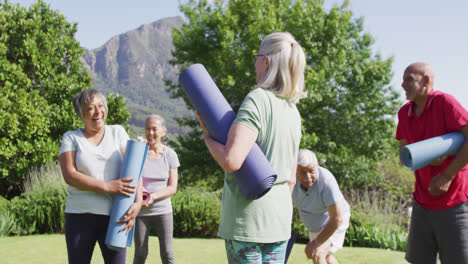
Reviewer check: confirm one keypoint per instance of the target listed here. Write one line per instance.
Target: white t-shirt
(101, 162)
(313, 203)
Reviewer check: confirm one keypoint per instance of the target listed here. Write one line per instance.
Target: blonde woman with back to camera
(257, 231)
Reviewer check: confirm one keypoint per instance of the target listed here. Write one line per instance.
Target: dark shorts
(438, 231)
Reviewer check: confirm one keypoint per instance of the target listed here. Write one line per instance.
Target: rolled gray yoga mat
(256, 176)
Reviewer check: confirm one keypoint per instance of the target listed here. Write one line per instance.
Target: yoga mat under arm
(132, 165)
(422, 153)
(256, 176)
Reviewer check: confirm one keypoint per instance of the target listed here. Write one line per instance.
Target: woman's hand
(121, 186)
(203, 126)
(130, 216)
(150, 201)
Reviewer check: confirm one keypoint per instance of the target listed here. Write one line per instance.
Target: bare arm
(239, 142)
(292, 179)
(403, 143)
(85, 182)
(441, 183)
(168, 191)
(334, 211)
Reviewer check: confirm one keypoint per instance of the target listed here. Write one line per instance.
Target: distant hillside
(135, 64)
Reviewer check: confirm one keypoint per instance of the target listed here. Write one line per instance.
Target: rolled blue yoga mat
(256, 176)
(132, 165)
(422, 153)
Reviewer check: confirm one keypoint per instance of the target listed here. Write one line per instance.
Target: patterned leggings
(255, 253)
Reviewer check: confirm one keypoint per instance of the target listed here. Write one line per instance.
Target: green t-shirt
(268, 219)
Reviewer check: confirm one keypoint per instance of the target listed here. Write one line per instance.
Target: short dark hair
(85, 97)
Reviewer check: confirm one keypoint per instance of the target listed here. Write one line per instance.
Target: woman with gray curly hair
(90, 159)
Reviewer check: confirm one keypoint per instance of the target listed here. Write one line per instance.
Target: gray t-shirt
(155, 176)
(313, 203)
(101, 162)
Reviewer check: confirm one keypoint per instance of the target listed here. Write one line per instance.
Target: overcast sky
(431, 31)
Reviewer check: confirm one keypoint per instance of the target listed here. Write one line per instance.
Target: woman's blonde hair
(285, 74)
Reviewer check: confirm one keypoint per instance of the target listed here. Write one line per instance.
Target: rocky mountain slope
(135, 64)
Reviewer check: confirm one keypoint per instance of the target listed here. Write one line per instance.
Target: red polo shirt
(442, 114)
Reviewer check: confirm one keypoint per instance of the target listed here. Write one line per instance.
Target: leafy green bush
(6, 222)
(3, 203)
(378, 217)
(373, 236)
(40, 209)
(38, 212)
(197, 213)
(398, 182)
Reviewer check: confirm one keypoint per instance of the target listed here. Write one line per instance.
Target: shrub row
(196, 214)
(373, 236)
(38, 212)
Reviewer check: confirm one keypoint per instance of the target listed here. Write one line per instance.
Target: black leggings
(81, 233)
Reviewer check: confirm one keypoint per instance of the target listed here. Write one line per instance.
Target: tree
(40, 72)
(348, 114)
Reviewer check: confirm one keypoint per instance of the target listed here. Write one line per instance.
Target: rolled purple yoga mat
(256, 176)
(146, 196)
(132, 165)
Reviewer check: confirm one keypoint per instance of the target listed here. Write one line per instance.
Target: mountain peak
(135, 64)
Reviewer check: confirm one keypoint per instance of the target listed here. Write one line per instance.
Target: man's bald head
(418, 80)
(423, 69)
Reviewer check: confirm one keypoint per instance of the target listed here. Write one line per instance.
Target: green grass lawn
(52, 249)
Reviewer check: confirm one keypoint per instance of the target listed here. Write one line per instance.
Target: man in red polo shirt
(439, 222)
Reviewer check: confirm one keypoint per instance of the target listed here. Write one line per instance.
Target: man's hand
(439, 184)
(315, 250)
(439, 161)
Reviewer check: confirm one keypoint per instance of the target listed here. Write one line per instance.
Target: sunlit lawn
(52, 249)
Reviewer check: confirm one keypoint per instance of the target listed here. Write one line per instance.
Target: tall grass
(48, 176)
(6, 222)
(379, 219)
